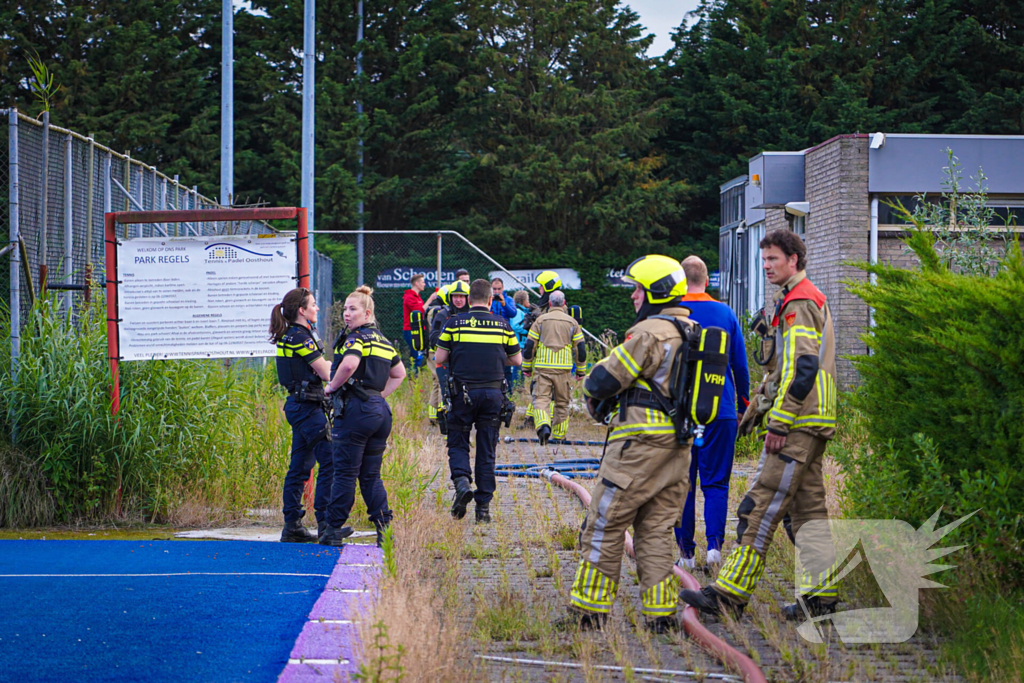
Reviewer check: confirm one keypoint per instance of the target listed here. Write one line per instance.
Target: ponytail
(287, 311)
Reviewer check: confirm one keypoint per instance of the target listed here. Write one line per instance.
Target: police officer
(477, 345)
(548, 282)
(366, 369)
(554, 341)
(643, 477)
(798, 397)
(457, 301)
(302, 369)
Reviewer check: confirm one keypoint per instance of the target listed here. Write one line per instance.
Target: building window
(797, 224)
(1009, 211)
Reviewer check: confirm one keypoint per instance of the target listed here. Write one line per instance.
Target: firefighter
(456, 299)
(434, 310)
(479, 345)
(798, 398)
(643, 478)
(552, 344)
(302, 370)
(549, 282)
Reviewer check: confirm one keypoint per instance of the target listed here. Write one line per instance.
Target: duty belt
(371, 392)
(311, 393)
(496, 384)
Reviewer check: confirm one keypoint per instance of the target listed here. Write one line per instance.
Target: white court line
(318, 661)
(350, 590)
(57, 576)
(333, 621)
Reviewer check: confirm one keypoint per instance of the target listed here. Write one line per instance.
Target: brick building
(834, 195)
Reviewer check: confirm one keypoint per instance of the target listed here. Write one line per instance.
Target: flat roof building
(835, 195)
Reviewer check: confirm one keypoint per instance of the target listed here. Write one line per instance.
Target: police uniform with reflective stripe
(296, 351)
(361, 435)
(643, 477)
(554, 342)
(478, 342)
(791, 481)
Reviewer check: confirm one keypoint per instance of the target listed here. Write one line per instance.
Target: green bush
(943, 397)
(188, 432)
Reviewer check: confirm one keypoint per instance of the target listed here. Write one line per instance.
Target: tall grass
(189, 432)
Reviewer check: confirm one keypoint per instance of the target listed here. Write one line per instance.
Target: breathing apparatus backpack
(576, 312)
(420, 334)
(698, 379)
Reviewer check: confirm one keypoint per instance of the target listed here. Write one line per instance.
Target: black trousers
(308, 422)
(483, 412)
(360, 438)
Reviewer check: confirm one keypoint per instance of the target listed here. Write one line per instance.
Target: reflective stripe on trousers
(739, 575)
(592, 591)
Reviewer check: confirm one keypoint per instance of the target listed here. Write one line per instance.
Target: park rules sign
(201, 297)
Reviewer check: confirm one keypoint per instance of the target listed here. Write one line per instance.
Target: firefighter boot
(661, 625)
(708, 601)
(463, 494)
(335, 536)
(483, 513)
(816, 607)
(577, 620)
(543, 434)
(294, 532)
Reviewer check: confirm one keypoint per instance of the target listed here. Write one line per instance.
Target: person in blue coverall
(505, 307)
(713, 460)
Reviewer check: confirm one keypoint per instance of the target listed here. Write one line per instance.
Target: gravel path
(517, 571)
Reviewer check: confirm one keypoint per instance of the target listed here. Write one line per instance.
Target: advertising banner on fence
(399, 276)
(569, 277)
(201, 297)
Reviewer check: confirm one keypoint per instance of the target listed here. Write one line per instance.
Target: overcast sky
(661, 17)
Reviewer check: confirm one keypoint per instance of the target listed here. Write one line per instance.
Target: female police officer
(302, 369)
(366, 369)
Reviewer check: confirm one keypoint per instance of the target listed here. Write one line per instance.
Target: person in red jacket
(411, 301)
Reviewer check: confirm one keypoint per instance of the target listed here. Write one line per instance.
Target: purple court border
(327, 647)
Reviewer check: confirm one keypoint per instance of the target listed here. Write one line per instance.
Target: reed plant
(188, 432)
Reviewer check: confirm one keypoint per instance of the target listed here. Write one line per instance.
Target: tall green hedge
(943, 393)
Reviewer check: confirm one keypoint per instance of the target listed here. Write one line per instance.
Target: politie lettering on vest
(476, 345)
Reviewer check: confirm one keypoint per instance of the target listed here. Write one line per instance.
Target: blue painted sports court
(89, 611)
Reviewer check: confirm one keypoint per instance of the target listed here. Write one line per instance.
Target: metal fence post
(437, 283)
(14, 235)
(44, 195)
(177, 205)
(88, 212)
(69, 229)
(107, 199)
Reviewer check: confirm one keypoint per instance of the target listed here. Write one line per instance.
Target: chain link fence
(66, 183)
(387, 260)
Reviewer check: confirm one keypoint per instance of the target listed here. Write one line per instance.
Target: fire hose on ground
(571, 468)
(691, 623)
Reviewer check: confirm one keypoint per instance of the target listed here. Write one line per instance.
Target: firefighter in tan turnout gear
(555, 339)
(644, 474)
(796, 404)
